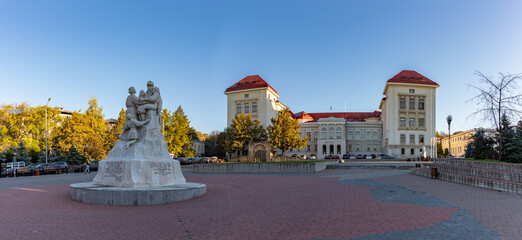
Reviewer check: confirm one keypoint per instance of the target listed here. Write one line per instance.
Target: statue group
(140, 158)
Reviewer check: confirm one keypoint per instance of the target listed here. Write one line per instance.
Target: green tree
(514, 147)
(22, 154)
(74, 157)
(244, 131)
(481, 146)
(504, 138)
(284, 132)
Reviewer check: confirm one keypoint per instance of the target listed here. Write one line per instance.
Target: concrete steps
(498, 176)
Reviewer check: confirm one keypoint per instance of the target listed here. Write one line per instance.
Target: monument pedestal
(92, 193)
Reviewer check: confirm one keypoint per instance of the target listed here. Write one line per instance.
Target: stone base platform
(88, 192)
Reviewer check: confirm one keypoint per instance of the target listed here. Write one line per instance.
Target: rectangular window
(357, 136)
(349, 136)
(254, 107)
(402, 103)
(412, 151)
(412, 122)
(403, 138)
(421, 138)
(315, 135)
(247, 95)
(238, 108)
(368, 136)
(247, 108)
(421, 104)
(308, 148)
(402, 121)
(357, 148)
(421, 122)
(403, 151)
(368, 148)
(375, 148)
(412, 103)
(350, 147)
(412, 139)
(412, 90)
(316, 148)
(308, 134)
(375, 136)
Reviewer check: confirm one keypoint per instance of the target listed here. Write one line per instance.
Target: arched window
(412, 103)
(238, 107)
(421, 104)
(323, 133)
(402, 103)
(331, 149)
(331, 133)
(339, 133)
(412, 122)
(324, 149)
(402, 121)
(338, 149)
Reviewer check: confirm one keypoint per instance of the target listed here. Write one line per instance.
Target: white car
(312, 157)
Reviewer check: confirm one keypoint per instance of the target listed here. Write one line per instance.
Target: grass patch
(314, 161)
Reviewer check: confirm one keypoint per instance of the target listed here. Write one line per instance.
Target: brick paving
(334, 204)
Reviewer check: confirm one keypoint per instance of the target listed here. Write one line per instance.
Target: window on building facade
(338, 149)
(247, 95)
(315, 135)
(349, 137)
(324, 149)
(402, 103)
(357, 148)
(247, 108)
(412, 139)
(368, 136)
(254, 107)
(421, 122)
(412, 103)
(412, 122)
(402, 121)
(308, 148)
(308, 134)
(238, 108)
(350, 147)
(421, 104)
(403, 138)
(368, 148)
(315, 148)
(339, 133)
(375, 148)
(357, 136)
(375, 136)
(323, 133)
(412, 90)
(331, 149)
(403, 151)
(421, 138)
(331, 131)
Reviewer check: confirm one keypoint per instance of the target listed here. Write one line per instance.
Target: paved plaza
(333, 204)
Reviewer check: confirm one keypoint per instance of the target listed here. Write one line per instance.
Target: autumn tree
(177, 132)
(284, 132)
(243, 131)
(114, 131)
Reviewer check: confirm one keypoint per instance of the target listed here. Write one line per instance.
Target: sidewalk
(333, 204)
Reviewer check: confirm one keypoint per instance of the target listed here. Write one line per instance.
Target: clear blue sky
(316, 54)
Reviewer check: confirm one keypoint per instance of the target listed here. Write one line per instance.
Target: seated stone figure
(130, 129)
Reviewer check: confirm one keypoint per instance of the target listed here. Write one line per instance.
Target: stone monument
(139, 166)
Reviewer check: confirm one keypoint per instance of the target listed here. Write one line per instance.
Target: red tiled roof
(349, 116)
(250, 82)
(409, 76)
(302, 115)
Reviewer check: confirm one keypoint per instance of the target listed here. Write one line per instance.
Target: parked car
(214, 159)
(303, 156)
(360, 156)
(373, 156)
(205, 160)
(312, 157)
(328, 157)
(352, 156)
(184, 161)
(387, 157)
(367, 156)
(61, 166)
(335, 157)
(94, 165)
(346, 156)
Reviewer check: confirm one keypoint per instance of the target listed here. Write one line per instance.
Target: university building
(403, 128)
(460, 140)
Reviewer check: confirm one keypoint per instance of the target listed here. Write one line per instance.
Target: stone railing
(306, 167)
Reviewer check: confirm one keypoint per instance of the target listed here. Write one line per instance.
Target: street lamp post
(46, 129)
(448, 119)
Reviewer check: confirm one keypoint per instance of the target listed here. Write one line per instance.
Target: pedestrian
(87, 170)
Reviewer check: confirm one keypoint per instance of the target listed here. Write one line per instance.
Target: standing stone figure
(130, 129)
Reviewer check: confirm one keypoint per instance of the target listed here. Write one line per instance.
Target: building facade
(459, 141)
(404, 128)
